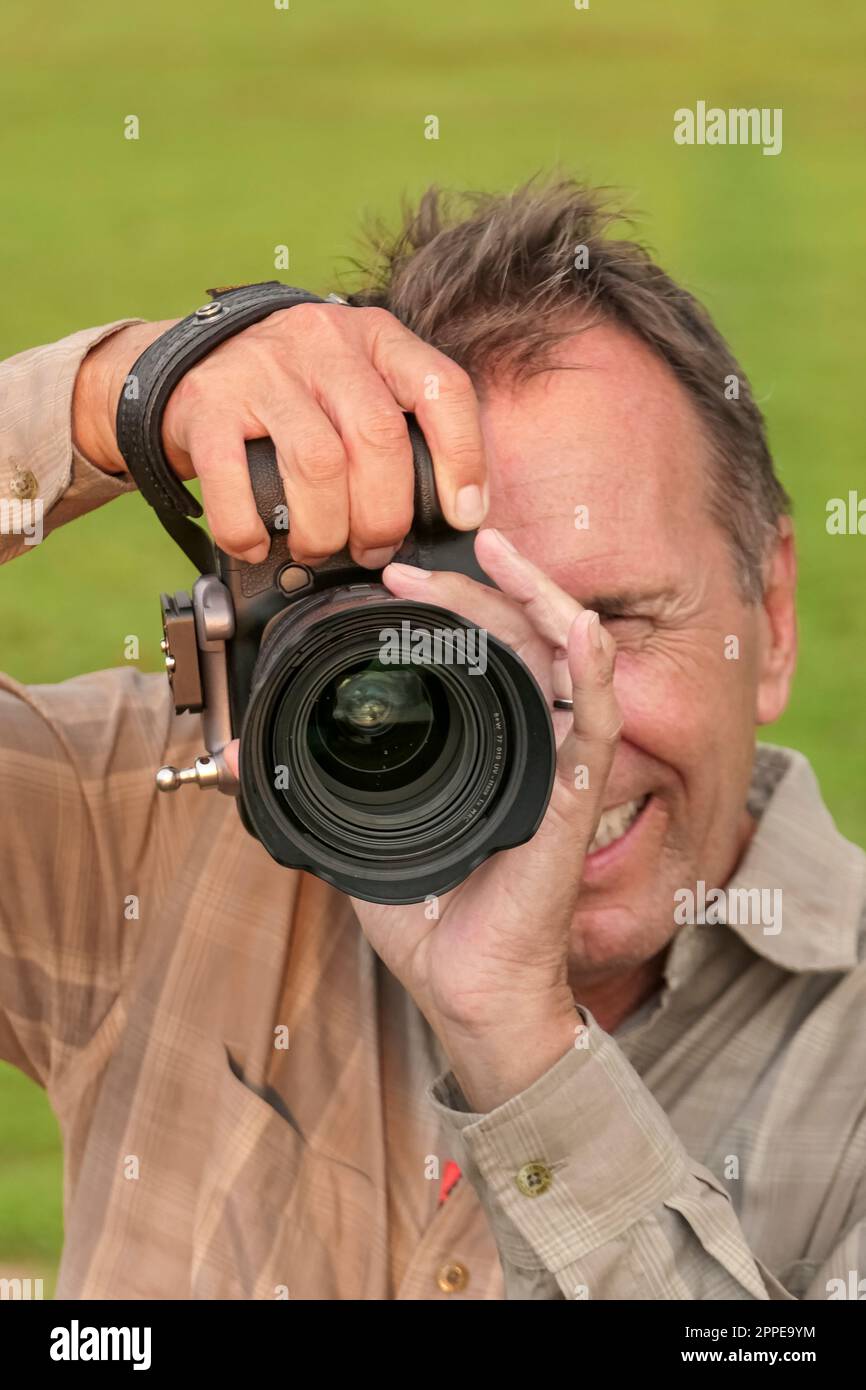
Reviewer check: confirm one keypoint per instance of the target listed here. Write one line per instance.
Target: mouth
(615, 823)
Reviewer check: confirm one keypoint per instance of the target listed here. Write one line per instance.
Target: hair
(492, 281)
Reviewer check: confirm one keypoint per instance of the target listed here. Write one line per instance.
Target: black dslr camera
(388, 747)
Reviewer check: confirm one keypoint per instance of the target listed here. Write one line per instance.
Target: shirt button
(23, 484)
(452, 1278)
(533, 1179)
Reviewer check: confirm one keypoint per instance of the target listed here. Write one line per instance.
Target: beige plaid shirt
(152, 955)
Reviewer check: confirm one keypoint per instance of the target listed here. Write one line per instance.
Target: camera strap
(150, 383)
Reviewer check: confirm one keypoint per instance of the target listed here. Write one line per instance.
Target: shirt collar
(796, 848)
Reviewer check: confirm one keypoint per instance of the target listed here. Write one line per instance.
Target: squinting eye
(625, 629)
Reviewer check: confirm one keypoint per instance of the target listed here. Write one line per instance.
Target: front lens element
(374, 727)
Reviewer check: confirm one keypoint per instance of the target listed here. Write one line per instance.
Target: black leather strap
(153, 378)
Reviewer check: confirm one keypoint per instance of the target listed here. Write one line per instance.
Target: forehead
(611, 430)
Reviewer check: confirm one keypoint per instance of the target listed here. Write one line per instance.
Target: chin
(610, 939)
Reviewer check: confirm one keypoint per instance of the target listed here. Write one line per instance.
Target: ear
(777, 627)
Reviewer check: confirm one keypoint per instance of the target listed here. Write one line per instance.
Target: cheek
(689, 705)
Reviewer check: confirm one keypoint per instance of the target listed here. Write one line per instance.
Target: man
(645, 1099)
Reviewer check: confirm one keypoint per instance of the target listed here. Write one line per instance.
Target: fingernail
(509, 545)
(376, 559)
(256, 554)
(409, 572)
(470, 506)
(594, 629)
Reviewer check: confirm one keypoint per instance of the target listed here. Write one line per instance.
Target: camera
(387, 747)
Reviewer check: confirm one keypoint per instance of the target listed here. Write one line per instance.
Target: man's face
(620, 438)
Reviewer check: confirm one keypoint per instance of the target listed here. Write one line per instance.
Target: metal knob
(204, 773)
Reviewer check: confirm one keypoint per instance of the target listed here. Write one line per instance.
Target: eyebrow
(616, 605)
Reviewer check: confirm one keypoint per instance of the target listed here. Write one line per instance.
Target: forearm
(103, 374)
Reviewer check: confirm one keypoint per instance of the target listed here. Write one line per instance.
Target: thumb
(231, 753)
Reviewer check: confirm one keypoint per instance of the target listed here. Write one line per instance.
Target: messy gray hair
(493, 280)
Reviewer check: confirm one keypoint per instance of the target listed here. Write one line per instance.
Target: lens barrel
(391, 747)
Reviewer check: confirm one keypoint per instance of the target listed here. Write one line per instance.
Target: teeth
(615, 822)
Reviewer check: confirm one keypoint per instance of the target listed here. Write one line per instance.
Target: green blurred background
(261, 127)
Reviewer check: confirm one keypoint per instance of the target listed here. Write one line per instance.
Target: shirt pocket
(276, 1217)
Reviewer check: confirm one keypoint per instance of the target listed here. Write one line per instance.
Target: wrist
(493, 1066)
(98, 384)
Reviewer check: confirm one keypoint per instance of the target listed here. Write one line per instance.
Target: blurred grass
(30, 1181)
(262, 127)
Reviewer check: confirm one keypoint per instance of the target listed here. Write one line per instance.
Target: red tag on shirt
(449, 1180)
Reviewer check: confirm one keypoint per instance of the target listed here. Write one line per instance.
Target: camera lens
(390, 747)
(375, 727)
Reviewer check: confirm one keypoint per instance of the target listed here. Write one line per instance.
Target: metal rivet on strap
(209, 311)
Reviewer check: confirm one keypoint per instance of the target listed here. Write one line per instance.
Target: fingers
(231, 753)
(216, 447)
(547, 610)
(330, 385)
(584, 758)
(442, 397)
(475, 602)
(381, 479)
(550, 609)
(551, 864)
(314, 468)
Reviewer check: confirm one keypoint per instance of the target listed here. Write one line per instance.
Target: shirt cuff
(39, 465)
(572, 1162)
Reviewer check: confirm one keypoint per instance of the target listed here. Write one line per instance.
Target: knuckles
(374, 319)
(466, 454)
(319, 461)
(455, 381)
(307, 319)
(385, 432)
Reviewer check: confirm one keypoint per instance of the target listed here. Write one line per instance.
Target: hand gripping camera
(387, 747)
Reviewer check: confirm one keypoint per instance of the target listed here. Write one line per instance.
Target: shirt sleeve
(44, 480)
(590, 1193)
(78, 839)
